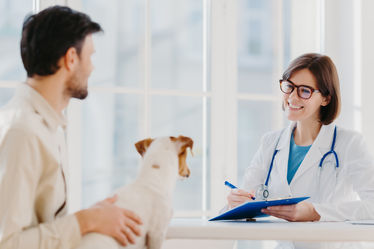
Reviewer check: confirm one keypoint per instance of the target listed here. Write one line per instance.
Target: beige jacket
(32, 179)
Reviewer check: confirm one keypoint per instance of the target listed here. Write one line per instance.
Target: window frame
(220, 70)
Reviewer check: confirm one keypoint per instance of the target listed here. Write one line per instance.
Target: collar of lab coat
(320, 146)
(41, 106)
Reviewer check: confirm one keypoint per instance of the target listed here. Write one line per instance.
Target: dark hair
(47, 35)
(324, 71)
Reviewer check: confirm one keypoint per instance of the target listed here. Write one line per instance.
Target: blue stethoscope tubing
(331, 151)
(265, 192)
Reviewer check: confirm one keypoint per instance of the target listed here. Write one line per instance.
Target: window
(149, 83)
(258, 64)
(201, 68)
(12, 13)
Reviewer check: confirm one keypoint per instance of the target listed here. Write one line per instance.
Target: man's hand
(238, 197)
(108, 219)
(302, 211)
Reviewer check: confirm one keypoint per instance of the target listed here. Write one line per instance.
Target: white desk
(268, 229)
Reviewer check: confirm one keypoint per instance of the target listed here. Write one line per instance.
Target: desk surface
(269, 229)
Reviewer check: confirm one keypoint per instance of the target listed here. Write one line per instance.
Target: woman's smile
(294, 107)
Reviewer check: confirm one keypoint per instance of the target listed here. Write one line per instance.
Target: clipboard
(252, 209)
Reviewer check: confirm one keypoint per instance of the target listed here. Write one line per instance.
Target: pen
(234, 187)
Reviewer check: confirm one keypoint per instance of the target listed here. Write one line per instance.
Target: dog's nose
(188, 172)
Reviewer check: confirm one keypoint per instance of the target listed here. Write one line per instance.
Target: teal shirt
(295, 158)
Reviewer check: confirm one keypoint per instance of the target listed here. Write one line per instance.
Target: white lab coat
(346, 193)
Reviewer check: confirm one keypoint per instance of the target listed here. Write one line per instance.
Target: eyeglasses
(304, 92)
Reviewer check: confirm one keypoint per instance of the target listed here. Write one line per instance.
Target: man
(56, 49)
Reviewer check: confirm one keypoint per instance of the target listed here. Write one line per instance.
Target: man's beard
(74, 88)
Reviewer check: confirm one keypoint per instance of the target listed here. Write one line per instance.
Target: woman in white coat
(340, 187)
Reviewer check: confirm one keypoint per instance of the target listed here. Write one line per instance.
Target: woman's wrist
(84, 221)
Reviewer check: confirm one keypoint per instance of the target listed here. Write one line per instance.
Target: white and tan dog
(150, 195)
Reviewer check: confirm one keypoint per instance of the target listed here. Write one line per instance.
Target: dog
(150, 195)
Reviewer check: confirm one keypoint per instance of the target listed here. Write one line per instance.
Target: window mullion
(224, 105)
(73, 132)
(147, 70)
(279, 53)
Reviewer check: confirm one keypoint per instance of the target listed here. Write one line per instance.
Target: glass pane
(182, 116)
(12, 13)
(256, 60)
(177, 44)
(5, 95)
(118, 50)
(255, 119)
(287, 33)
(110, 128)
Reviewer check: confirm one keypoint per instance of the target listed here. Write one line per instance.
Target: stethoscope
(263, 191)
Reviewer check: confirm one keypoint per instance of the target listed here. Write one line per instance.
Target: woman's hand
(302, 211)
(238, 197)
(106, 218)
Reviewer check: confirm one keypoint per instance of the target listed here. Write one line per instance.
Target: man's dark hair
(47, 35)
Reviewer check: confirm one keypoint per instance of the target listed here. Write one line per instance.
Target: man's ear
(71, 59)
(143, 145)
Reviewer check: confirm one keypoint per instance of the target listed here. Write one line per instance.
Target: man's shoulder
(19, 119)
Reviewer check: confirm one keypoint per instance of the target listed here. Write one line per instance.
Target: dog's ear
(143, 145)
(183, 143)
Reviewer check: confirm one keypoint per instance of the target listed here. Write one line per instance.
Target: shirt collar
(41, 106)
(323, 139)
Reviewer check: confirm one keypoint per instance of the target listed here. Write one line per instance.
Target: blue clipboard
(252, 209)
